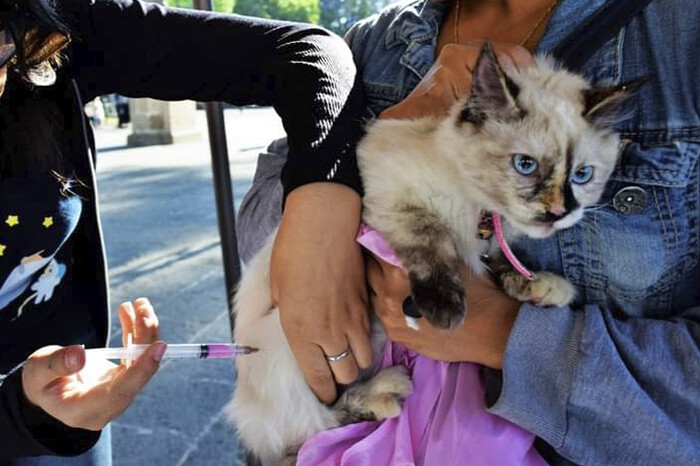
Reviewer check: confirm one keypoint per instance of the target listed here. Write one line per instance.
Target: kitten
(534, 145)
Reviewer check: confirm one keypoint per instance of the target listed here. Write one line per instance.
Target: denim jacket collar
(417, 24)
(418, 29)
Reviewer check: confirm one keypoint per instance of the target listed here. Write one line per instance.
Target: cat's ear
(603, 104)
(493, 94)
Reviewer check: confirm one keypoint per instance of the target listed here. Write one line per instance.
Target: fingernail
(129, 308)
(74, 359)
(158, 353)
(410, 309)
(141, 302)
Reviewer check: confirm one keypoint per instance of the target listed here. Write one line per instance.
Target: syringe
(181, 351)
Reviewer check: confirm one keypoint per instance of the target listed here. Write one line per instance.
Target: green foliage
(336, 15)
(180, 3)
(339, 15)
(223, 6)
(257, 8)
(307, 11)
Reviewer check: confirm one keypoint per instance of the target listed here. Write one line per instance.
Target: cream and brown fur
(426, 182)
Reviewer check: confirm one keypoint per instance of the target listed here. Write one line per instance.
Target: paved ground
(162, 241)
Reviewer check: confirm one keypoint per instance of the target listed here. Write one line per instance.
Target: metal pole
(224, 201)
(222, 189)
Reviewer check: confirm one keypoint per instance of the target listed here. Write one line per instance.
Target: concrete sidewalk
(160, 226)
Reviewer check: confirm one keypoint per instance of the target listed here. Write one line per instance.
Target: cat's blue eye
(524, 164)
(583, 175)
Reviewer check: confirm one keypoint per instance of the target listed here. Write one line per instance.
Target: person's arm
(602, 389)
(141, 49)
(598, 388)
(59, 400)
(308, 75)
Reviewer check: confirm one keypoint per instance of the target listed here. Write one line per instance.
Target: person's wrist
(331, 205)
(490, 319)
(494, 352)
(323, 192)
(318, 229)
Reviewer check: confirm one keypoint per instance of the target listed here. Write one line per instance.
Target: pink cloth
(373, 241)
(443, 423)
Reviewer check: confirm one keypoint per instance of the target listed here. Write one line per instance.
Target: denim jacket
(615, 379)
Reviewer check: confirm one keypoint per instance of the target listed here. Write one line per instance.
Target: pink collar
(490, 223)
(517, 265)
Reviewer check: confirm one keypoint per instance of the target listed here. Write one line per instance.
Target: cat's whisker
(595, 207)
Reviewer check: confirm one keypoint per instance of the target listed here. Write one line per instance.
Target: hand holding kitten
(481, 338)
(318, 283)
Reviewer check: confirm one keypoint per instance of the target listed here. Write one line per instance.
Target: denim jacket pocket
(644, 233)
(656, 163)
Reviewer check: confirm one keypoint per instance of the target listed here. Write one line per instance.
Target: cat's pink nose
(553, 214)
(557, 211)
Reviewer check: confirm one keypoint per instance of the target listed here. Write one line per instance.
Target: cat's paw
(440, 298)
(550, 289)
(379, 398)
(547, 289)
(387, 391)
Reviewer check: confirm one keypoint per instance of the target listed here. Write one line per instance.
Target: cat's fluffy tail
(272, 408)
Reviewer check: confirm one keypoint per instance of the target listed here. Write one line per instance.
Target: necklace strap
(539, 22)
(525, 39)
(455, 37)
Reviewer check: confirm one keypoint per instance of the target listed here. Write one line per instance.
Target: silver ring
(339, 357)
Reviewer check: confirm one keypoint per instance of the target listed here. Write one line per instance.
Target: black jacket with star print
(145, 50)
